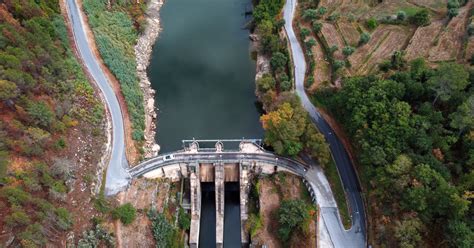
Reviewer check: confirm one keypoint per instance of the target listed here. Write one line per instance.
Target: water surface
(203, 74)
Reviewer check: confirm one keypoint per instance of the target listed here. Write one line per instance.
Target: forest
(44, 94)
(413, 129)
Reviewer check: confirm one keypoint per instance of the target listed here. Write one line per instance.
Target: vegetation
(116, 36)
(96, 237)
(163, 231)
(413, 132)
(43, 94)
(126, 213)
(421, 18)
(292, 215)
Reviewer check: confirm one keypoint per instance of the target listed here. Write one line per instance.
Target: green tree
(448, 79)
(460, 234)
(278, 61)
(266, 83)
(317, 26)
(292, 215)
(372, 23)
(364, 38)
(284, 127)
(8, 90)
(304, 32)
(41, 114)
(453, 13)
(126, 213)
(421, 18)
(348, 50)
(310, 14)
(463, 118)
(401, 15)
(315, 142)
(408, 232)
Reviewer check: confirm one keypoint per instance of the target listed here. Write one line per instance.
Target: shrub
(421, 18)
(452, 13)
(278, 61)
(401, 15)
(304, 32)
(292, 215)
(372, 23)
(310, 43)
(126, 213)
(348, 50)
(317, 26)
(184, 219)
(470, 29)
(310, 14)
(364, 38)
(285, 85)
(265, 83)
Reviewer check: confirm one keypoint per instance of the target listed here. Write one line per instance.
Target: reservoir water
(203, 75)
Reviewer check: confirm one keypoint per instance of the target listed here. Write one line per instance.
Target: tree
(8, 90)
(421, 18)
(278, 61)
(265, 83)
(408, 231)
(364, 38)
(126, 213)
(401, 15)
(310, 43)
(315, 142)
(284, 127)
(41, 114)
(348, 50)
(371, 23)
(310, 14)
(453, 12)
(304, 32)
(292, 215)
(463, 118)
(317, 26)
(460, 234)
(448, 79)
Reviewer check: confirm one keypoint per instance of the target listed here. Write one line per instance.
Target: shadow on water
(207, 233)
(232, 223)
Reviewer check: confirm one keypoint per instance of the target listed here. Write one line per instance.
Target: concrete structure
(219, 166)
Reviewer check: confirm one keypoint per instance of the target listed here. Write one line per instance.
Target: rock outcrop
(143, 50)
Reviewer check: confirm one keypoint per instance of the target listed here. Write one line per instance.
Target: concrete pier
(244, 196)
(220, 197)
(195, 205)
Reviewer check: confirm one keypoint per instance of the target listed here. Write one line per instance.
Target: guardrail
(214, 157)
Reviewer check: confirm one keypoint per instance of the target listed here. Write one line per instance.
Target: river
(204, 76)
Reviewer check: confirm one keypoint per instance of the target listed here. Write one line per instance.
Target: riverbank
(143, 51)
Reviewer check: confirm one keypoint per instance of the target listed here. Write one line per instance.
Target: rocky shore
(143, 51)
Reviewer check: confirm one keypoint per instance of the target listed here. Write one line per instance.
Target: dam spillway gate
(205, 165)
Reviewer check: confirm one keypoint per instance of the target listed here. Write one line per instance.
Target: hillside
(51, 129)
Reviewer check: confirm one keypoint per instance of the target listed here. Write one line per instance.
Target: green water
(203, 74)
(204, 80)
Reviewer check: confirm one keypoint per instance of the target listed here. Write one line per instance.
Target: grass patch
(338, 191)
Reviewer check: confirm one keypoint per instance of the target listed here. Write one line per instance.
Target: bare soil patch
(451, 39)
(143, 194)
(349, 32)
(272, 191)
(333, 38)
(423, 40)
(385, 40)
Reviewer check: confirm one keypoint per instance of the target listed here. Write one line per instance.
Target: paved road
(354, 237)
(117, 175)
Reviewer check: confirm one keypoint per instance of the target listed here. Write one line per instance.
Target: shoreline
(143, 50)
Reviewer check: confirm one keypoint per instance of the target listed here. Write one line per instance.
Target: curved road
(117, 175)
(356, 236)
